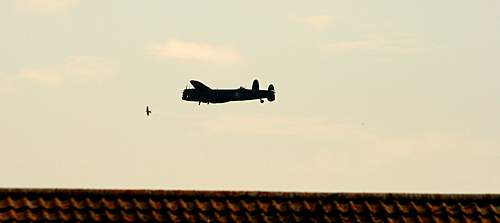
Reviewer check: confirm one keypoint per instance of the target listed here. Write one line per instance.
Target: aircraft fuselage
(221, 96)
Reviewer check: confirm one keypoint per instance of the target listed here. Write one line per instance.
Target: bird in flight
(148, 111)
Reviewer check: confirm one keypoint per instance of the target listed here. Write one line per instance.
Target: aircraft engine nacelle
(255, 86)
(271, 96)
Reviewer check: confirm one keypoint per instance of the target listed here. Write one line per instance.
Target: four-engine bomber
(203, 94)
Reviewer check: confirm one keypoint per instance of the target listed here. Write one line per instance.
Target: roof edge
(259, 194)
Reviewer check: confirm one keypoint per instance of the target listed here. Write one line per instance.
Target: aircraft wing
(200, 86)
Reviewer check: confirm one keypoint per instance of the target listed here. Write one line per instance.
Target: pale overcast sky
(372, 96)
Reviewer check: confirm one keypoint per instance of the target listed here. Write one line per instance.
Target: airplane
(202, 93)
(148, 111)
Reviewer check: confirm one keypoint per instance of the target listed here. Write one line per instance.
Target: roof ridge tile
(296, 218)
(250, 218)
(173, 217)
(158, 216)
(263, 206)
(371, 208)
(249, 206)
(309, 206)
(494, 210)
(91, 204)
(49, 216)
(401, 208)
(171, 205)
(203, 217)
(496, 218)
(419, 209)
(96, 216)
(65, 216)
(32, 216)
(343, 208)
(185, 205)
(143, 217)
(126, 216)
(279, 206)
(327, 207)
(236, 217)
(76, 204)
(123, 204)
(357, 208)
(189, 217)
(79, 216)
(479, 210)
(217, 205)
(155, 205)
(220, 218)
(109, 204)
(204, 206)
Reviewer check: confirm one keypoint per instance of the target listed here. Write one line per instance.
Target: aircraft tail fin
(271, 96)
(255, 86)
(270, 88)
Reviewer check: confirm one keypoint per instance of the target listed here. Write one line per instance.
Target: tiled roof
(55, 205)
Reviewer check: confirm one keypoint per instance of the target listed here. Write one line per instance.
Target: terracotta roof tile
(48, 205)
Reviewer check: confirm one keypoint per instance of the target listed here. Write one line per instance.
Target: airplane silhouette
(147, 111)
(202, 93)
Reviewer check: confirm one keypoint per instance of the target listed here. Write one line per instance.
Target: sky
(371, 96)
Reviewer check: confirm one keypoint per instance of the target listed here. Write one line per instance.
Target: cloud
(352, 45)
(47, 77)
(6, 83)
(44, 5)
(74, 69)
(401, 44)
(199, 52)
(89, 68)
(374, 46)
(318, 22)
